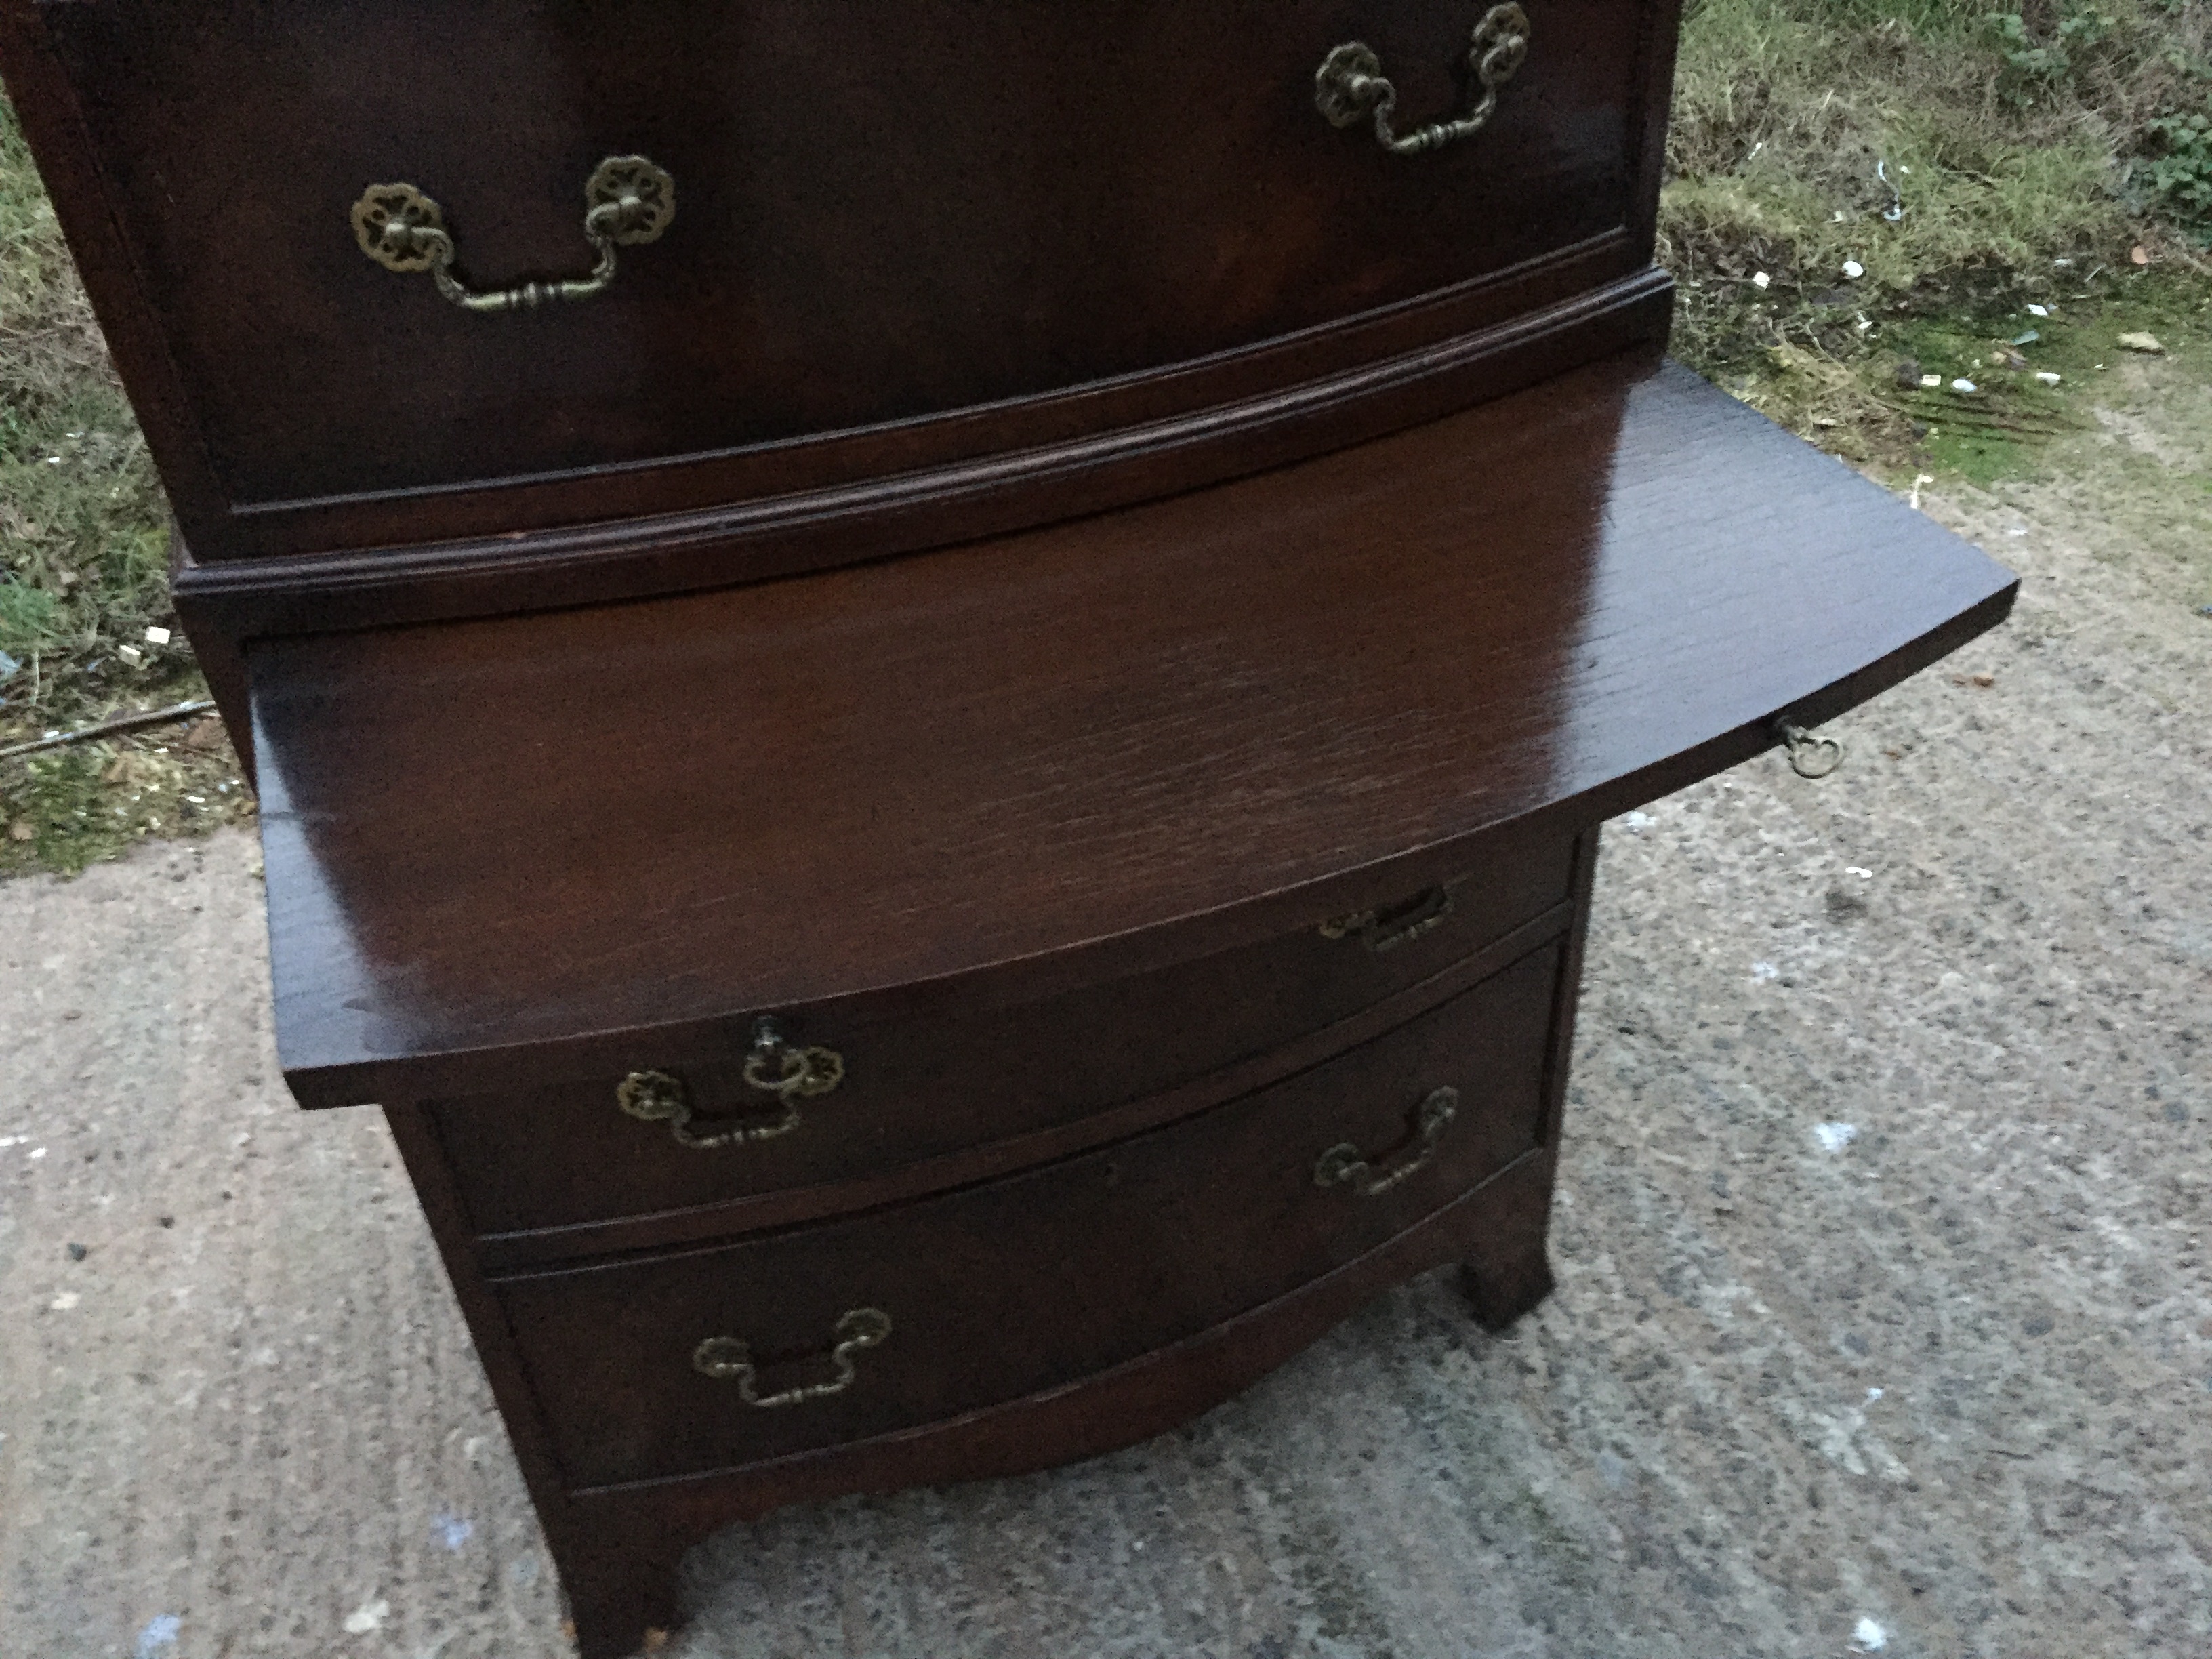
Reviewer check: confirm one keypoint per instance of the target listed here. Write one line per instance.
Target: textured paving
(1939, 1381)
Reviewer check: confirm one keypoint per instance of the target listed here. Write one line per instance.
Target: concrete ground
(1883, 1321)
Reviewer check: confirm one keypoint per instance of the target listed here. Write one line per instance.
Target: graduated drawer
(918, 1314)
(911, 1090)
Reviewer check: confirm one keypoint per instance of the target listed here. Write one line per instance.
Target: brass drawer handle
(730, 1360)
(1350, 83)
(627, 200)
(1344, 1164)
(1394, 925)
(774, 1066)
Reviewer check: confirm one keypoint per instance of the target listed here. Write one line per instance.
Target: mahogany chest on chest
(932, 686)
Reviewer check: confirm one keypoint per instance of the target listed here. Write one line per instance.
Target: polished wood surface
(992, 772)
(1115, 605)
(924, 1089)
(1005, 1290)
(620, 1548)
(923, 233)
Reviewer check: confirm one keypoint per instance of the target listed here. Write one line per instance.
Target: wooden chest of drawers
(940, 751)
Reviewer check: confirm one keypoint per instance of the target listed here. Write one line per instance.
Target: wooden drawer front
(919, 1089)
(878, 216)
(1001, 1291)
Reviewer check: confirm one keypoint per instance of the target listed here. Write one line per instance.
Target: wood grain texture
(1000, 770)
(926, 1091)
(1005, 1290)
(732, 1201)
(978, 209)
(622, 1546)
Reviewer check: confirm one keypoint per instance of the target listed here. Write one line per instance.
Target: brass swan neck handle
(1350, 84)
(628, 200)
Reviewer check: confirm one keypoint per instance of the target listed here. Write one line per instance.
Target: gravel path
(1883, 1317)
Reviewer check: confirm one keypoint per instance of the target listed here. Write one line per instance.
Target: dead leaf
(2138, 255)
(2147, 343)
(203, 737)
(22, 829)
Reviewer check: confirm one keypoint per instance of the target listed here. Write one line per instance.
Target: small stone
(78, 1252)
(1853, 269)
(2038, 1325)
(168, 1220)
(1908, 373)
(2147, 343)
(1964, 386)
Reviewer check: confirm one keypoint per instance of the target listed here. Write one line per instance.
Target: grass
(83, 571)
(1906, 175)
(1856, 183)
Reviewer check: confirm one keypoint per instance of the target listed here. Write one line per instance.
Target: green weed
(83, 536)
(83, 571)
(1843, 177)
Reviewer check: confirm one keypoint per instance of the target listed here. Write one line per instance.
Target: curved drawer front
(879, 217)
(832, 1333)
(915, 1090)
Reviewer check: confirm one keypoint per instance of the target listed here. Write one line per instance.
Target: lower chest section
(764, 1275)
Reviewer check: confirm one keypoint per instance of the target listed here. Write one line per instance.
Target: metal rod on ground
(182, 711)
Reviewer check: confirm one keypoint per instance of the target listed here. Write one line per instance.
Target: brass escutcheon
(773, 1066)
(627, 200)
(730, 1360)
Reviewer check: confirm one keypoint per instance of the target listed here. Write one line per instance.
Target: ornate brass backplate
(627, 200)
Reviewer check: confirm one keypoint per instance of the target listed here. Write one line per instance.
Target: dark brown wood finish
(729, 1197)
(981, 775)
(620, 1548)
(1054, 524)
(979, 209)
(997, 1292)
(922, 1090)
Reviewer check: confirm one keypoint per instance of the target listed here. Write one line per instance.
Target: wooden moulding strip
(813, 529)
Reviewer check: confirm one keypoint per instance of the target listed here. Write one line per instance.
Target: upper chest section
(882, 240)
